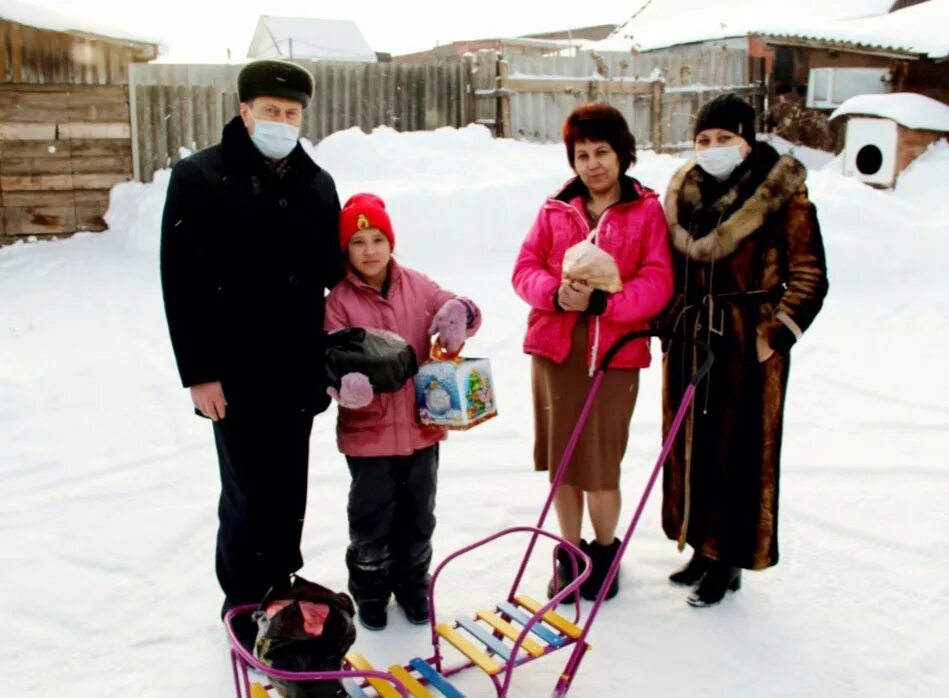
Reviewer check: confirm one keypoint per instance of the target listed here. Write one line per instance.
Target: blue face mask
(721, 161)
(274, 139)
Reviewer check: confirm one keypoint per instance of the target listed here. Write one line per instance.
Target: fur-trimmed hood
(684, 195)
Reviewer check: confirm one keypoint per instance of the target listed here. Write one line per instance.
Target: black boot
(415, 609)
(602, 557)
(565, 572)
(372, 614)
(719, 579)
(693, 572)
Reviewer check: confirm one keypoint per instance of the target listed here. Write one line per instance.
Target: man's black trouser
(391, 521)
(263, 457)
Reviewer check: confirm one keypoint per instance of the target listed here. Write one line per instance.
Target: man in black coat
(249, 247)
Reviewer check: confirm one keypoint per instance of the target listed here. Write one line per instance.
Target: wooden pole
(505, 128)
(658, 89)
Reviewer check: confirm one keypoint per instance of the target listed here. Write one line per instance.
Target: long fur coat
(749, 261)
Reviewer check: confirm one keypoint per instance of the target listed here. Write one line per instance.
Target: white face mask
(720, 162)
(275, 139)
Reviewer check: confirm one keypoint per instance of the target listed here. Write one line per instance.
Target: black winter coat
(246, 256)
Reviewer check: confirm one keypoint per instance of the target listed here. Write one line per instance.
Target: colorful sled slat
(548, 636)
(257, 690)
(554, 619)
(438, 682)
(484, 637)
(481, 659)
(509, 631)
(411, 683)
(352, 689)
(383, 687)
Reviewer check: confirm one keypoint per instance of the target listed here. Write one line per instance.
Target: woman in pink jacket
(392, 458)
(571, 326)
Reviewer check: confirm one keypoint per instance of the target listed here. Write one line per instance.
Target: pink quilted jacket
(634, 232)
(388, 426)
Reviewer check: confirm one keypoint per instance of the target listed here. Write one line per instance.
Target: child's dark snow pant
(263, 457)
(391, 521)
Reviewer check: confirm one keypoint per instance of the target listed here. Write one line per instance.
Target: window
(828, 88)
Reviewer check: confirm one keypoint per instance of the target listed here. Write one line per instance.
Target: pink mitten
(355, 391)
(451, 323)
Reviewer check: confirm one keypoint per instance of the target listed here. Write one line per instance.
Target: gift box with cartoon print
(456, 394)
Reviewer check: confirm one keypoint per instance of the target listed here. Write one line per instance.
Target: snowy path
(109, 483)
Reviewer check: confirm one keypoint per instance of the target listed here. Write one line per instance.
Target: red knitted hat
(360, 212)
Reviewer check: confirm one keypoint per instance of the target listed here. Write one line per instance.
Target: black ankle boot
(372, 614)
(693, 572)
(719, 579)
(565, 572)
(602, 557)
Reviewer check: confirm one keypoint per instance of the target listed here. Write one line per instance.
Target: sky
(203, 32)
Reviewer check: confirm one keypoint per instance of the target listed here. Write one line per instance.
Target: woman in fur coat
(750, 277)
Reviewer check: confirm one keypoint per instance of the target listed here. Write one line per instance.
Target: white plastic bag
(587, 262)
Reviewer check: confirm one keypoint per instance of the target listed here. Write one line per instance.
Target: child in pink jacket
(393, 459)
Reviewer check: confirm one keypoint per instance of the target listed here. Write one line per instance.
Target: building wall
(65, 133)
(45, 57)
(925, 77)
(912, 143)
(62, 148)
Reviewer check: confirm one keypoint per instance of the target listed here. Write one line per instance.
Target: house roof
(310, 38)
(57, 20)
(905, 108)
(662, 23)
(912, 30)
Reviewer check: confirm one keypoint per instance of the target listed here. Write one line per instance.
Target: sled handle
(638, 334)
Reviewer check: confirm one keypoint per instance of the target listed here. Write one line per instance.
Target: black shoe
(602, 557)
(565, 572)
(719, 579)
(372, 614)
(693, 571)
(415, 609)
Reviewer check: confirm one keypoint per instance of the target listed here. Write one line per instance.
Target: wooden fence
(62, 148)
(177, 107)
(655, 94)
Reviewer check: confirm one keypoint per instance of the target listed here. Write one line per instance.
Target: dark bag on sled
(384, 357)
(303, 626)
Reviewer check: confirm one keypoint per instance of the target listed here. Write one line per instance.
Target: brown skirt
(560, 391)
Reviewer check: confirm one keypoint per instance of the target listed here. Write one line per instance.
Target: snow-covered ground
(109, 482)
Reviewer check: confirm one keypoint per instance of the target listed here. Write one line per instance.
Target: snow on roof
(913, 30)
(308, 37)
(905, 108)
(57, 20)
(662, 23)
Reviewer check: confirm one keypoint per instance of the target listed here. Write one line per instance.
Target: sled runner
(498, 639)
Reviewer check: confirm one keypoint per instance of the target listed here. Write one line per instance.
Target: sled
(500, 638)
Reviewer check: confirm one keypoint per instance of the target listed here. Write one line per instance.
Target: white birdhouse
(870, 150)
(885, 133)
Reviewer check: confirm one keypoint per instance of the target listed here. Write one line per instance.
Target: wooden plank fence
(540, 92)
(62, 148)
(186, 107)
